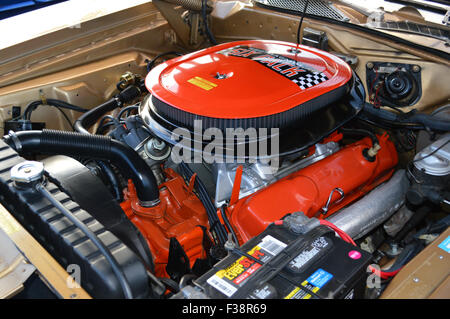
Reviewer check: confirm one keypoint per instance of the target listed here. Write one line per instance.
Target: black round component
(399, 84)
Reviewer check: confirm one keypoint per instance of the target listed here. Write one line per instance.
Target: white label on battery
(307, 255)
(262, 293)
(272, 245)
(222, 285)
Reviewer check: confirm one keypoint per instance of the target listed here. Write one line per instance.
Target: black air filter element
(281, 120)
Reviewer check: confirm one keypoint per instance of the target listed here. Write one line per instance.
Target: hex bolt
(394, 248)
(158, 144)
(369, 65)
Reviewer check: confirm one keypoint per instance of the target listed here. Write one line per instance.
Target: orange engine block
(179, 215)
(309, 189)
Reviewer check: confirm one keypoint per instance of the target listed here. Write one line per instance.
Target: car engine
(248, 169)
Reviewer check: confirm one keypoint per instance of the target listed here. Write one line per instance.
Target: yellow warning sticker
(202, 83)
(292, 293)
(299, 293)
(7, 223)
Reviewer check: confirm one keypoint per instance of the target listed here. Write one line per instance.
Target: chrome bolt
(221, 76)
(394, 248)
(415, 279)
(415, 68)
(158, 145)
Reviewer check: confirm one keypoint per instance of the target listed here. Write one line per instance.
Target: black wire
(214, 222)
(66, 117)
(52, 102)
(208, 32)
(102, 125)
(101, 129)
(394, 108)
(301, 21)
(228, 224)
(363, 132)
(424, 157)
(58, 104)
(151, 63)
(127, 109)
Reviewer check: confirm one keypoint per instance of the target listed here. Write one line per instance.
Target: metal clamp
(327, 205)
(16, 141)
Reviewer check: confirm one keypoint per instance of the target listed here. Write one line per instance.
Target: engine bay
(255, 167)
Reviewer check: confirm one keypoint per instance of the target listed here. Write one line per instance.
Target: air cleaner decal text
(301, 74)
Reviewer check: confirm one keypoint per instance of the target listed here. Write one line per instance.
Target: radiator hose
(89, 118)
(411, 120)
(124, 157)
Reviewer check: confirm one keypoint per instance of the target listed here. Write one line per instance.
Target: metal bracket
(327, 205)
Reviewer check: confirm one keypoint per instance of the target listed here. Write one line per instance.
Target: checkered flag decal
(301, 74)
(310, 79)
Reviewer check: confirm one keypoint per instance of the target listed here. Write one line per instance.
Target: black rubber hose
(91, 117)
(99, 147)
(411, 120)
(100, 245)
(52, 102)
(415, 220)
(88, 119)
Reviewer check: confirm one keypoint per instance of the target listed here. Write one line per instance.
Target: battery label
(312, 284)
(299, 73)
(316, 249)
(319, 278)
(445, 245)
(228, 280)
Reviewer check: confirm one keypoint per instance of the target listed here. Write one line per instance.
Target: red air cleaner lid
(248, 79)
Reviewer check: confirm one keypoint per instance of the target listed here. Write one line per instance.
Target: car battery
(289, 260)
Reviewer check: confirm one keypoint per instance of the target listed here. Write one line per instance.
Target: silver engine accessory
(257, 176)
(429, 173)
(373, 209)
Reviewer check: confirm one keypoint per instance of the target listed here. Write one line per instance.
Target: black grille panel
(315, 7)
